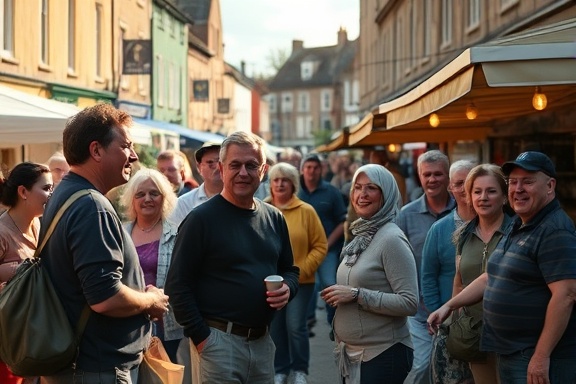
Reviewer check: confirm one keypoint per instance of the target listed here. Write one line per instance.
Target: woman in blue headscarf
(377, 286)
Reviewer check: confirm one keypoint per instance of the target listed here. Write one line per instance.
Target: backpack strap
(63, 208)
(86, 310)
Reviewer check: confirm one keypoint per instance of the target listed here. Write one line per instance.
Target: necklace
(150, 228)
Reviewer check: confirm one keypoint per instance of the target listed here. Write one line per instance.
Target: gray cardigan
(386, 275)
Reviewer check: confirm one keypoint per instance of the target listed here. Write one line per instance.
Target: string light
(471, 111)
(539, 100)
(434, 120)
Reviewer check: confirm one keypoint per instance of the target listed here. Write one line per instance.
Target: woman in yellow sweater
(309, 246)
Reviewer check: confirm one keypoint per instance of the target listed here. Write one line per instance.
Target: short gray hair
(244, 139)
(460, 165)
(285, 170)
(433, 156)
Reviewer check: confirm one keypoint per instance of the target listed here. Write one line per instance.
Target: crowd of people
(396, 266)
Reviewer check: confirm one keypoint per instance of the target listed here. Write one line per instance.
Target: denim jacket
(172, 330)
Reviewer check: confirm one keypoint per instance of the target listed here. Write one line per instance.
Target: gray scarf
(365, 229)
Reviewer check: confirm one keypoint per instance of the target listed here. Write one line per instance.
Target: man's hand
(538, 370)
(279, 298)
(159, 304)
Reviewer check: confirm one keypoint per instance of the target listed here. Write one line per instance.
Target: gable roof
(331, 62)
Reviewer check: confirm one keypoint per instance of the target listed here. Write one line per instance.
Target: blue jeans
(422, 340)
(513, 368)
(390, 367)
(289, 331)
(228, 359)
(325, 277)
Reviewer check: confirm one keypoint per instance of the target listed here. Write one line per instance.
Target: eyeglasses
(251, 167)
(368, 188)
(457, 186)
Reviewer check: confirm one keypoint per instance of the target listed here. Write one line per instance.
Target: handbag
(36, 337)
(444, 369)
(156, 367)
(463, 340)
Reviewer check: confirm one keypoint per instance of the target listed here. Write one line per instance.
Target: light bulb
(434, 120)
(393, 148)
(471, 111)
(539, 100)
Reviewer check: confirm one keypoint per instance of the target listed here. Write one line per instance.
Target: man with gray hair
(415, 219)
(224, 250)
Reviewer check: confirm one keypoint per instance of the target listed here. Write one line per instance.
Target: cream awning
(498, 77)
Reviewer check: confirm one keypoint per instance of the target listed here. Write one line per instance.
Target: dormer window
(306, 70)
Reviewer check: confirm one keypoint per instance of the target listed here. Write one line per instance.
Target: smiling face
(487, 196)
(241, 173)
(367, 198)
(434, 179)
(117, 159)
(529, 192)
(148, 201)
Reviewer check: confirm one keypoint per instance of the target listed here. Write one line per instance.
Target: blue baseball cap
(531, 161)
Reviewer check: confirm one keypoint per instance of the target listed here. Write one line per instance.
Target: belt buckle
(249, 332)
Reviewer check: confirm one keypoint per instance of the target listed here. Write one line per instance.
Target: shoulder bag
(463, 339)
(156, 367)
(36, 337)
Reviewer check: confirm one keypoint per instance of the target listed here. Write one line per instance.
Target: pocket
(212, 339)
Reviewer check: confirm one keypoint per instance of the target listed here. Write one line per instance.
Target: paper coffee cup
(273, 282)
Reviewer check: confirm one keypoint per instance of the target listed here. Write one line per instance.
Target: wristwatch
(354, 292)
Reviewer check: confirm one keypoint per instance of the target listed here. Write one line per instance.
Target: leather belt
(236, 329)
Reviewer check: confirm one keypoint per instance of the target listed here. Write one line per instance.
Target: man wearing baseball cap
(529, 287)
(207, 157)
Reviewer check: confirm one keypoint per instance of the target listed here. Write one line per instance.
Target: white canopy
(29, 119)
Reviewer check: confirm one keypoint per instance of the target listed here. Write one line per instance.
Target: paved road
(322, 365)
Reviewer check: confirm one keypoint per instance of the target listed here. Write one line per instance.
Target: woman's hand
(437, 317)
(337, 294)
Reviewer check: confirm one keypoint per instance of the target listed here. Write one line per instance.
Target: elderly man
(207, 161)
(92, 260)
(415, 219)
(58, 167)
(224, 250)
(529, 287)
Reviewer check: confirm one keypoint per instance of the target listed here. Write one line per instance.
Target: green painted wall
(169, 70)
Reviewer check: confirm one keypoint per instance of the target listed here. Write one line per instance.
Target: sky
(255, 28)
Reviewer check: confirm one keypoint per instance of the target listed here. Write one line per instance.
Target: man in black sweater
(224, 250)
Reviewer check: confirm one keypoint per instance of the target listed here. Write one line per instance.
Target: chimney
(243, 67)
(342, 36)
(297, 45)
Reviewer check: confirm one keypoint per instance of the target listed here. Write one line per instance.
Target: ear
(95, 150)
(263, 171)
(22, 192)
(551, 185)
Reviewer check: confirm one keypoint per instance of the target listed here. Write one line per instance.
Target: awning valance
(497, 78)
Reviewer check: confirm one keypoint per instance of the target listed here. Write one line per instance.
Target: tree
(277, 57)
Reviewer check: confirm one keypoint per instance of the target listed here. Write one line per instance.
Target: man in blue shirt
(415, 219)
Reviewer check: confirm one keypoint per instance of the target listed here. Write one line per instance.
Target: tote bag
(156, 367)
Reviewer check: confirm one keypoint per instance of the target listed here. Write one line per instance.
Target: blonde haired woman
(149, 199)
